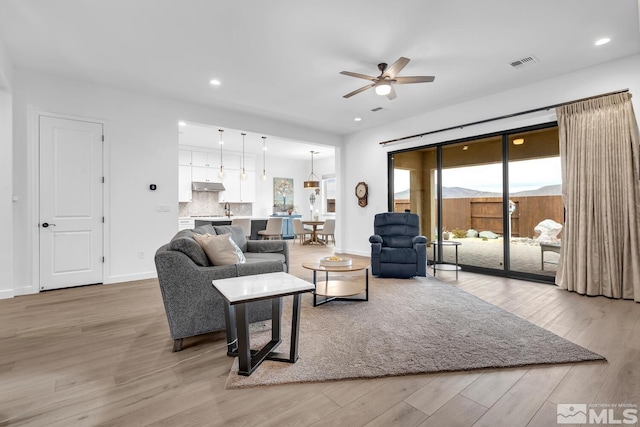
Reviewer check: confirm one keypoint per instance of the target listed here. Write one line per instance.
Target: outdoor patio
(525, 255)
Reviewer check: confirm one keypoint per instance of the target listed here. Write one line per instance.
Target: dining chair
(273, 230)
(328, 231)
(299, 230)
(245, 223)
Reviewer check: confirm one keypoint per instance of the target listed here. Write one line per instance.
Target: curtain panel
(600, 253)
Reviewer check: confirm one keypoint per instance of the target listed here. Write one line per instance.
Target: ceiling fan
(387, 78)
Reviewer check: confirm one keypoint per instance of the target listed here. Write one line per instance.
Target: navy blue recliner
(396, 248)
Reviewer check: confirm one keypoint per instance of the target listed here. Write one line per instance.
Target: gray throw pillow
(237, 234)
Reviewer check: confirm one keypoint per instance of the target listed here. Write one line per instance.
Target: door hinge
(103, 260)
(103, 179)
(103, 220)
(102, 138)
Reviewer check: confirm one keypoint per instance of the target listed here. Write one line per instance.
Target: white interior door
(70, 203)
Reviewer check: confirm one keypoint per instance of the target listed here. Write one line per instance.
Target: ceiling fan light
(383, 89)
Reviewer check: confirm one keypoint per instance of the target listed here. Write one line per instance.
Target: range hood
(207, 186)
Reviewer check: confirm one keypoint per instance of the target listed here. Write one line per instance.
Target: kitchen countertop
(222, 218)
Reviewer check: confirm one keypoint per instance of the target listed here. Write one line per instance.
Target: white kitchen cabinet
(205, 174)
(250, 163)
(248, 187)
(231, 183)
(205, 159)
(184, 183)
(231, 161)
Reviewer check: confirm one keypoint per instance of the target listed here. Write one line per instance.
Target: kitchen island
(257, 224)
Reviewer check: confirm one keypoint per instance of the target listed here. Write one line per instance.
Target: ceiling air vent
(524, 61)
(376, 109)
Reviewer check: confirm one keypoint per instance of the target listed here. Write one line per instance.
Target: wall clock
(362, 193)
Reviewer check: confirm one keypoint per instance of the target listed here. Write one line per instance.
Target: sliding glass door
(491, 198)
(472, 209)
(537, 211)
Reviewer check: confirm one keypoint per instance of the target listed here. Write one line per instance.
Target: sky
(523, 175)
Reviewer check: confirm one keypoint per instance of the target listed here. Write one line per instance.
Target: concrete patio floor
(525, 255)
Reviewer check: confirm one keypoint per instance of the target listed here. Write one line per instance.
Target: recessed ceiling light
(357, 119)
(215, 82)
(518, 141)
(603, 41)
(182, 124)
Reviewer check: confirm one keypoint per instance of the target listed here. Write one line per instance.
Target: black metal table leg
(230, 322)
(244, 347)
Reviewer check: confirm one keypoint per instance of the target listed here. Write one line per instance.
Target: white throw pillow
(220, 249)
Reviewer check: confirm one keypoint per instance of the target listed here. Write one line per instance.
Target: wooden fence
(485, 213)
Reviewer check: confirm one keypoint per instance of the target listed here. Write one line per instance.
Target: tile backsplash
(207, 204)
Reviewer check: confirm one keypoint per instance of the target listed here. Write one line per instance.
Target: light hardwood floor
(101, 355)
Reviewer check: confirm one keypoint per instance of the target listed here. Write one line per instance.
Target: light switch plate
(163, 208)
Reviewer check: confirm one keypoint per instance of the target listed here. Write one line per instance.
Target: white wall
(287, 168)
(6, 68)
(6, 191)
(366, 160)
(141, 148)
(6, 181)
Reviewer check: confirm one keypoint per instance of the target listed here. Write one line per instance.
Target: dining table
(314, 233)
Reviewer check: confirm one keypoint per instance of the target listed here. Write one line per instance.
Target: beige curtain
(600, 171)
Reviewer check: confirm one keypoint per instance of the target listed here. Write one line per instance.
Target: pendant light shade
(313, 182)
(264, 158)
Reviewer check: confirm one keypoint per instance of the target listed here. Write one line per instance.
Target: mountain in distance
(468, 193)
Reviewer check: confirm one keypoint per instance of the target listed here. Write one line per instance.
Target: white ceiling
(282, 58)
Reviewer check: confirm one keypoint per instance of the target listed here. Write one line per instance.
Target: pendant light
(243, 174)
(313, 182)
(221, 164)
(264, 158)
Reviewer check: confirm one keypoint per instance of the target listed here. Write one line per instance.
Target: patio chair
(396, 248)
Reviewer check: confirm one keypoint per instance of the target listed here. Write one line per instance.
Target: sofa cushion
(259, 267)
(183, 242)
(237, 234)
(220, 249)
(206, 229)
(253, 257)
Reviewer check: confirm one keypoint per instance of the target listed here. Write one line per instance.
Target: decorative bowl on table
(335, 261)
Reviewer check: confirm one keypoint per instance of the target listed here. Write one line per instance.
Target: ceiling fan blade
(396, 67)
(414, 79)
(358, 75)
(392, 94)
(357, 91)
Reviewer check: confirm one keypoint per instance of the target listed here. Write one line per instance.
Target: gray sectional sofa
(193, 306)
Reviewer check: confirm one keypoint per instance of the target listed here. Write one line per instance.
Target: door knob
(46, 224)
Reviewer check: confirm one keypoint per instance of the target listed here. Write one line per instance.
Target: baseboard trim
(6, 294)
(130, 277)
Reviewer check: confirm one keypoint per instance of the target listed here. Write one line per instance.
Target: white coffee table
(238, 291)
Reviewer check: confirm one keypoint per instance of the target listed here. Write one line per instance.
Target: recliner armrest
(419, 239)
(375, 239)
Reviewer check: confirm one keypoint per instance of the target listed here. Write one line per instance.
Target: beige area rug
(407, 327)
